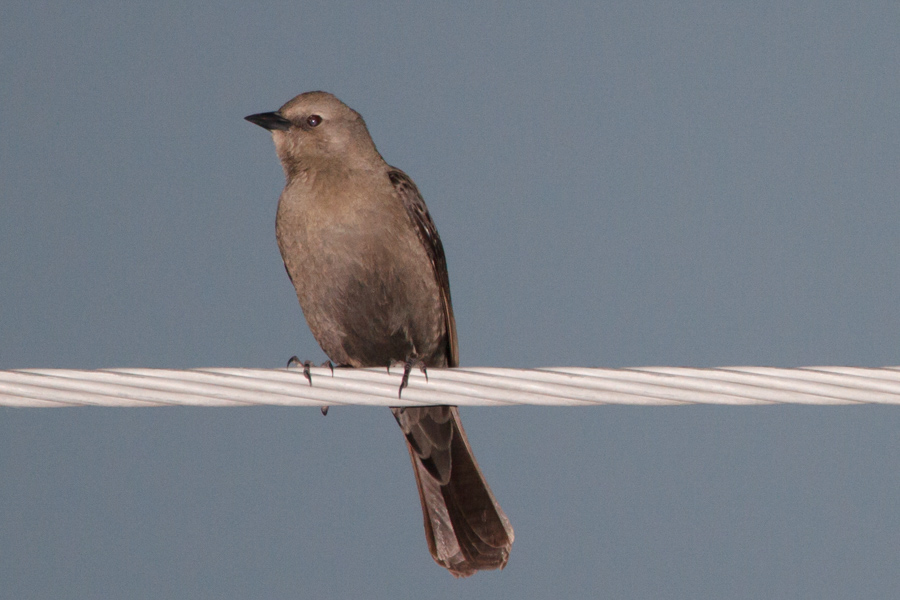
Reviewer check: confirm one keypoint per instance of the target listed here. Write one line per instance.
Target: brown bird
(369, 269)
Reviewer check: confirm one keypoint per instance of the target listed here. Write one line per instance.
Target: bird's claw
(408, 366)
(296, 362)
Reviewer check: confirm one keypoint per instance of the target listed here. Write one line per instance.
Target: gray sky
(648, 184)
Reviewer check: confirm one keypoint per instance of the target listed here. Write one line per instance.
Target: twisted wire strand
(477, 386)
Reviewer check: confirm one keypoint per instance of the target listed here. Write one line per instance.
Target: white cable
(558, 386)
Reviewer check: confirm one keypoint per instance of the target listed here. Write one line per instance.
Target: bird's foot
(306, 364)
(408, 365)
(296, 362)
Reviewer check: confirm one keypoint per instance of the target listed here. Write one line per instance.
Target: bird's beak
(270, 121)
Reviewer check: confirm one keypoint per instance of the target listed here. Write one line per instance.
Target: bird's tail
(465, 527)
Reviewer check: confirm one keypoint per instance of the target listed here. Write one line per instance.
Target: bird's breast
(362, 276)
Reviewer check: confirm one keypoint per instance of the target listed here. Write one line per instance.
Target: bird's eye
(313, 120)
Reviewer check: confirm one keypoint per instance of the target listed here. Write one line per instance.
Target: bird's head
(316, 130)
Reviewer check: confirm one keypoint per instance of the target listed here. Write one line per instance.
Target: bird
(369, 269)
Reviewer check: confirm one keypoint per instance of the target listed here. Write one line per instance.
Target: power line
(481, 386)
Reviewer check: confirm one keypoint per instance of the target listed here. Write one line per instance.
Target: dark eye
(313, 120)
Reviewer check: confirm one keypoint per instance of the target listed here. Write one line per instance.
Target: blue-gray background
(653, 184)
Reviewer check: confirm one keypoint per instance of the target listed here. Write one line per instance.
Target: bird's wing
(418, 214)
(465, 527)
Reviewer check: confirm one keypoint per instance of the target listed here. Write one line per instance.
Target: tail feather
(465, 527)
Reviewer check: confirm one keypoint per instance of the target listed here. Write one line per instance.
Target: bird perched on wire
(369, 269)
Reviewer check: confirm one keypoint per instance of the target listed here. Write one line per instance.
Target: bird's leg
(409, 365)
(328, 364)
(295, 362)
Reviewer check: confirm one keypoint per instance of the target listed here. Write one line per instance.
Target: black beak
(270, 121)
